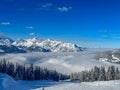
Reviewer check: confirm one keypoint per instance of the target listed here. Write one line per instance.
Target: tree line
(31, 72)
(97, 74)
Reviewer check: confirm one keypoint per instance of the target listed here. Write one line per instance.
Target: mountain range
(8, 45)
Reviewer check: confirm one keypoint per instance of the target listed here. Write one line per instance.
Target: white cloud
(5, 23)
(31, 34)
(29, 27)
(64, 9)
(50, 6)
(46, 5)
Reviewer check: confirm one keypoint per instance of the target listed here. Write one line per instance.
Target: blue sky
(92, 23)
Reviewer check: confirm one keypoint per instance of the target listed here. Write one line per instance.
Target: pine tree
(117, 74)
(37, 73)
(96, 73)
(10, 69)
(30, 72)
(111, 73)
(102, 75)
(20, 72)
(4, 67)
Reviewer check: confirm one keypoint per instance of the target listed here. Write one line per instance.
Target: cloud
(82, 40)
(64, 9)
(91, 40)
(29, 27)
(5, 23)
(46, 5)
(112, 36)
(52, 7)
(105, 36)
(115, 36)
(103, 31)
(31, 34)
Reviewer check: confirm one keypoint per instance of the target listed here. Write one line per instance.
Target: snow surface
(8, 83)
(102, 85)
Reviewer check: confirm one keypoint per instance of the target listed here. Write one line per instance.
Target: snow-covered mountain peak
(19, 41)
(37, 45)
(51, 41)
(5, 40)
(35, 39)
(48, 44)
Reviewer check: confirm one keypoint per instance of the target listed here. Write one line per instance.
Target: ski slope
(103, 85)
(8, 83)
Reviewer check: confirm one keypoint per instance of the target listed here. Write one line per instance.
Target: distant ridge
(8, 45)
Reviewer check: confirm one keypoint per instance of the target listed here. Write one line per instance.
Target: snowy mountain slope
(8, 83)
(56, 46)
(48, 45)
(7, 47)
(27, 43)
(36, 45)
(10, 49)
(5, 40)
(109, 56)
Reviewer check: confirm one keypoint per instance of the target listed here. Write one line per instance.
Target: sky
(90, 23)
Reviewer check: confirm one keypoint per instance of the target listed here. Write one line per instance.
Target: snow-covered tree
(102, 74)
(111, 73)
